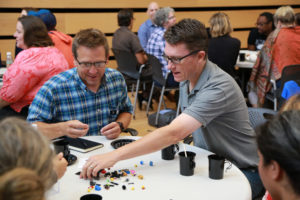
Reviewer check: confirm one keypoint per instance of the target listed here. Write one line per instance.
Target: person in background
(28, 166)
(62, 42)
(33, 66)
(24, 12)
(164, 18)
(223, 50)
(87, 100)
(147, 28)
(257, 36)
(278, 144)
(212, 104)
(297, 21)
(280, 49)
(125, 40)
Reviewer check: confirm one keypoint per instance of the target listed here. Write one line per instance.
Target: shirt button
(98, 110)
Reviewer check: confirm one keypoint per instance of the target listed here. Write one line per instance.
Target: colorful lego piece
(141, 177)
(151, 163)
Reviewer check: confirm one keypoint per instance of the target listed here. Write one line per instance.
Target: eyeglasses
(98, 64)
(261, 24)
(175, 60)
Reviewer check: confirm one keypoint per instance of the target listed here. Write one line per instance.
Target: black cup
(187, 163)
(62, 146)
(169, 152)
(216, 166)
(91, 197)
(242, 57)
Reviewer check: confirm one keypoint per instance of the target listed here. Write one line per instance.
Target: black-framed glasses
(175, 60)
(98, 64)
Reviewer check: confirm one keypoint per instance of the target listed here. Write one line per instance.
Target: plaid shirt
(156, 47)
(65, 97)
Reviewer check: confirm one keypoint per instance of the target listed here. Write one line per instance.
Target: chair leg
(150, 99)
(136, 96)
(132, 88)
(159, 104)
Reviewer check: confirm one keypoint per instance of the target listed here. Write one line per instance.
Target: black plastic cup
(62, 146)
(242, 57)
(187, 163)
(91, 197)
(216, 166)
(169, 152)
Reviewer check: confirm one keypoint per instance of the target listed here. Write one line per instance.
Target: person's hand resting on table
(111, 131)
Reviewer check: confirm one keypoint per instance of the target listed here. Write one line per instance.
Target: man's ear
(201, 55)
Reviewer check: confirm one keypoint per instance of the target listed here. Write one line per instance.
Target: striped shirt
(65, 97)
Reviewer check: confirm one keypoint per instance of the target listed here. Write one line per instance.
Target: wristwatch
(121, 126)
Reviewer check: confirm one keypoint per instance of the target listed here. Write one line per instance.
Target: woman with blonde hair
(28, 166)
(223, 50)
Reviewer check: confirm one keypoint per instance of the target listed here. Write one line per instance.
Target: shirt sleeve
(42, 108)
(251, 37)
(209, 104)
(135, 43)
(126, 105)
(143, 36)
(19, 79)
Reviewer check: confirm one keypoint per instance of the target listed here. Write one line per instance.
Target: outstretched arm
(180, 127)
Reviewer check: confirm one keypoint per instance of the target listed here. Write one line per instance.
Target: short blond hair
(26, 167)
(293, 103)
(284, 14)
(219, 25)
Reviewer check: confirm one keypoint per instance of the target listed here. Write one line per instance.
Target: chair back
(127, 63)
(290, 72)
(259, 116)
(157, 74)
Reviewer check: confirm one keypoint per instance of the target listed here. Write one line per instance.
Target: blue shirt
(156, 46)
(65, 97)
(145, 31)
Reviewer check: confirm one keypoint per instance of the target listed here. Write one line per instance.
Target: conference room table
(162, 181)
(245, 66)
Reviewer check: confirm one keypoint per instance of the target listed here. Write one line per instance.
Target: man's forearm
(125, 118)
(51, 131)
(3, 103)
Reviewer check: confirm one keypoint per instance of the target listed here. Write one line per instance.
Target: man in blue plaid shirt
(87, 100)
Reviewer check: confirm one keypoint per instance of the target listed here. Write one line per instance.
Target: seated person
(124, 39)
(28, 166)
(213, 109)
(280, 49)
(33, 66)
(223, 50)
(258, 36)
(147, 28)
(278, 149)
(164, 18)
(61, 41)
(87, 100)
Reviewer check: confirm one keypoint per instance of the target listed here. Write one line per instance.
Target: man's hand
(111, 131)
(60, 165)
(95, 163)
(74, 128)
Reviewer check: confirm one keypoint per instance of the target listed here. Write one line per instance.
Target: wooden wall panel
(71, 23)
(139, 3)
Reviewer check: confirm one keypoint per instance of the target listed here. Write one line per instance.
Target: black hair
(269, 17)
(279, 140)
(124, 17)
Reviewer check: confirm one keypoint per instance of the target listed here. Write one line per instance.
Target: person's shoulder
(113, 74)
(61, 78)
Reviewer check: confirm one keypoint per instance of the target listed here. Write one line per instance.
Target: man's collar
(82, 84)
(201, 80)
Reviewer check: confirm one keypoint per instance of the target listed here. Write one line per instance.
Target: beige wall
(242, 16)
